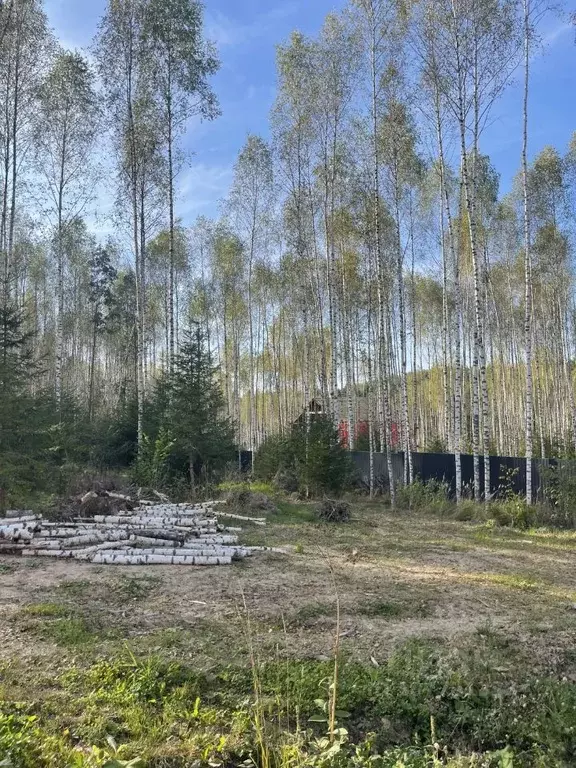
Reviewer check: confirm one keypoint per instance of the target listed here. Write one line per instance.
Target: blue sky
(246, 33)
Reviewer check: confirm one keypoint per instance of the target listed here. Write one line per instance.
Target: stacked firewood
(150, 534)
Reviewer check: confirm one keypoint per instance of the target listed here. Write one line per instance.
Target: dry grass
(398, 576)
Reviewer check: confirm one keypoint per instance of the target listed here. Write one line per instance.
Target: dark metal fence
(507, 473)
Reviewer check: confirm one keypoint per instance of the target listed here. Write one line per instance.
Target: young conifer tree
(195, 414)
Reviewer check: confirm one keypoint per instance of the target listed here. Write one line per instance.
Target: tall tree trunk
(408, 472)
(457, 300)
(5, 186)
(60, 277)
(479, 363)
(92, 365)
(15, 115)
(371, 441)
(383, 347)
(252, 392)
(172, 223)
(527, 261)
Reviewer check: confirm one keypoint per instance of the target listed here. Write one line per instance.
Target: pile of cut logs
(151, 534)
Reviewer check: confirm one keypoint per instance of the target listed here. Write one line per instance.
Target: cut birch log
(158, 560)
(159, 533)
(153, 533)
(177, 522)
(16, 527)
(12, 547)
(106, 546)
(15, 534)
(81, 541)
(215, 539)
(276, 550)
(149, 540)
(255, 520)
(68, 553)
(119, 496)
(185, 552)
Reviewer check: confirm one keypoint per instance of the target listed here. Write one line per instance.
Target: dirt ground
(395, 576)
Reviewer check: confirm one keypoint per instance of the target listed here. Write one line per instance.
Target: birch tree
(251, 207)
(527, 260)
(479, 51)
(181, 62)
(65, 139)
(294, 139)
(402, 168)
(128, 87)
(25, 50)
(381, 26)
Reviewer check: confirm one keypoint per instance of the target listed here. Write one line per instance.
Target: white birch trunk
(527, 261)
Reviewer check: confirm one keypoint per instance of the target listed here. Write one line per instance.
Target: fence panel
(507, 473)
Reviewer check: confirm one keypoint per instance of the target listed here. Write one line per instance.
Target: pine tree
(15, 354)
(195, 414)
(19, 411)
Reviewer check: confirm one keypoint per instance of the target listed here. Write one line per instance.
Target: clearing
(487, 607)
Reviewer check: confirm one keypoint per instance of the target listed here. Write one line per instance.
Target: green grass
(513, 581)
(78, 588)
(394, 609)
(174, 685)
(254, 485)
(69, 632)
(168, 639)
(292, 514)
(63, 625)
(46, 610)
(478, 699)
(135, 587)
(313, 611)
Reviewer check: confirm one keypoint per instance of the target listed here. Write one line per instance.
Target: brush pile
(148, 534)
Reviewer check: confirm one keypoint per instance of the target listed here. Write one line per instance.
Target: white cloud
(560, 30)
(225, 31)
(201, 188)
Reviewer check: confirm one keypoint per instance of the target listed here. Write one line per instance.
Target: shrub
(19, 739)
(512, 512)
(432, 496)
(436, 445)
(334, 511)
(311, 460)
(246, 500)
(152, 466)
(559, 508)
(286, 480)
(322, 464)
(275, 455)
(510, 509)
(466, 511)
